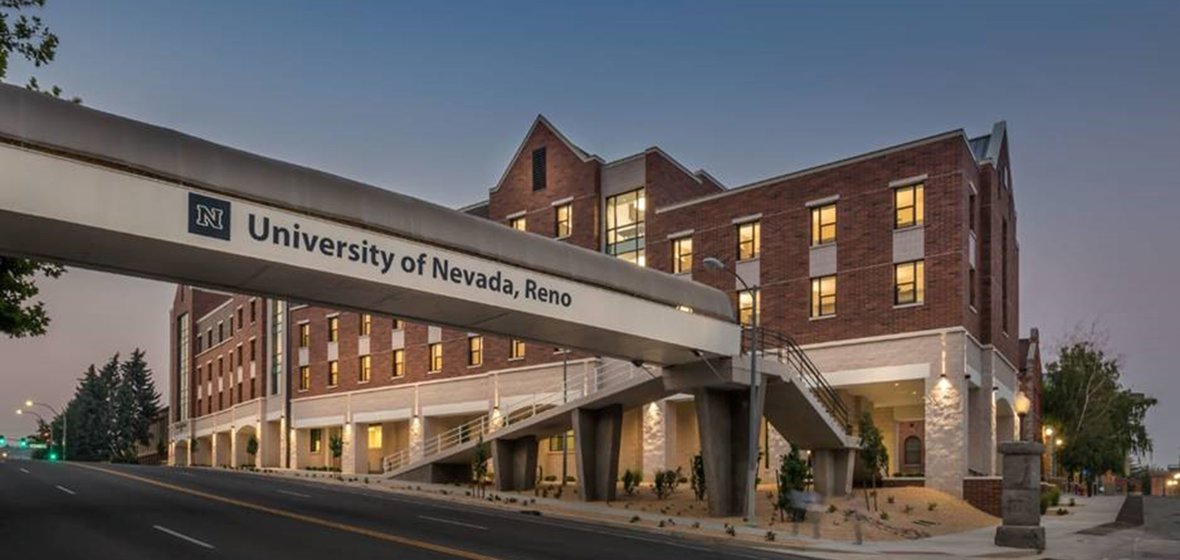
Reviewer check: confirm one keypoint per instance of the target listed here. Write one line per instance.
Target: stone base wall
(983, 492)
(903, 482)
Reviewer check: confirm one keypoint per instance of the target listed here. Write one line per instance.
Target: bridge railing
(783, 347)
(577, 385)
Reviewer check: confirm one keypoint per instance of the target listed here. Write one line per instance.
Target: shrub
(631, 480)
(931, 506)
(884, 516)
(1062, 511)
(889, 499)
(908, 509)
(770, 536)
(665, 482)
(698, 477)
(1044, 503)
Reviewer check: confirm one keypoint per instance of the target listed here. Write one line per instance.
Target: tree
(251, 447)
(873, 454)
(89, 419)
(792, 480)
(25, 37)
(699, 486)
(479, 467)
(143, 400)
(1101, 421)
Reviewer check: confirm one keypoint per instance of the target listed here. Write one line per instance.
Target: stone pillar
(946, 433)
(723, 419)
(832, 471)
(1020, 496)
(417, 437)
(293, 447)
(354, 454)
(657, 425)
(515, 463)
(233, 447)
(215, 453)
(597, 435)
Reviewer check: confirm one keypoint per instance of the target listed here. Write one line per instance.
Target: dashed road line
(66, 490)
(290, 493)
(24, 470)
(182, 536)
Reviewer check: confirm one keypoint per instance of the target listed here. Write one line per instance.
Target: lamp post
(20, 412)
(65, 425)
(1022, 406)
(712, 263)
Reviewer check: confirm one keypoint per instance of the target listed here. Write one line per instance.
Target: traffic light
(24, 443)
(52, 455)
(3, 441)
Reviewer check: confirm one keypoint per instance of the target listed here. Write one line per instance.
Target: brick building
(896, 270)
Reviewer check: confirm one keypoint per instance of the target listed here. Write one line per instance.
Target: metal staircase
(780, 346)
(578, 387)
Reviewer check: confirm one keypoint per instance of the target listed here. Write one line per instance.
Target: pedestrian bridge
(95, 190)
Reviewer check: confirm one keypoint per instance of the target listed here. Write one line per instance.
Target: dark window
(538, 169)
(913, 451)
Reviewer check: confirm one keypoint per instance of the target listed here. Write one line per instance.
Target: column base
(1021, 536)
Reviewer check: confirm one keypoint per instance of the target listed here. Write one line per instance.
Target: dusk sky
(432, 101)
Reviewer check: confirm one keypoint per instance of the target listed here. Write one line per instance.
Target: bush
(631, 480)
(665, 482)
(1044, 503)
(698, 477)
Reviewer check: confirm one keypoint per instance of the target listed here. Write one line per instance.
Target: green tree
(140, 396)
(792, 480)
(873, 454)
(89, 419)
(24, 36)
(251, 447)
(1101, 421)
(479, 467)
(699, 485)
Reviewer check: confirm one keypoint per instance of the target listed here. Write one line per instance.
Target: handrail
(781, 345)
(576, 385)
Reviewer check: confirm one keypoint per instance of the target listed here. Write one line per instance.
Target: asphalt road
(59, 510)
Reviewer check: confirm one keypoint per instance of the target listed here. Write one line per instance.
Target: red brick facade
(983, 493)
(228, 332)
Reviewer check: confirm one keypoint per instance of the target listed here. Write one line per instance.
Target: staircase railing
(783, 347)
(578, 384)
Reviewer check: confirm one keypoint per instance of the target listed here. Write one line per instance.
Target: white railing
(577, 385)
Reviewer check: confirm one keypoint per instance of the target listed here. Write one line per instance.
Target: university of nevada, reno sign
(211, 217)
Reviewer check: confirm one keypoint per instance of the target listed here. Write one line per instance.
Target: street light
(1022, 406)
(712, 263)
(65, 425)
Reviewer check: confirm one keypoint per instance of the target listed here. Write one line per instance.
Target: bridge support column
(515, 463)
(597, 434)
(354, 455)
(832, 471)
(723, 419)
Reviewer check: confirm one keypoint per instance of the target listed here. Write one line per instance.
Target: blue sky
(431, 100)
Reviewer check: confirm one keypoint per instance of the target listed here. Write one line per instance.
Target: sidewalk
(1061, 532)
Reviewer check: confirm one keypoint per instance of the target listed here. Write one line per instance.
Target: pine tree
(88, 419)
(140, 399)
(108, 429)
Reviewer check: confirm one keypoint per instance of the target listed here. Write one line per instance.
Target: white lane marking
(66, 490)
(182, 536)
(182, 473)
(296, 494)
(22, 469)
(459, 523)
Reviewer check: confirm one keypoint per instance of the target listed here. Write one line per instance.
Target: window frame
(432, 357)
(304, 378)
(754, 243)
(917, 206)
(567, 222)
(755, 304)
(364, 368)
(304, 335)
(540, 169)
(818, 225)
(315, 440)
(918, 275)
(366, 324)
(516, 349)
(905, 451)
(474, 351)
(679, 266)
(333, 373)
(398, 365)
(818, 296)
(519, 223)
(334, 328)
(632, 249)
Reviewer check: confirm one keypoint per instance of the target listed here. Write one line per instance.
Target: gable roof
(542, 121)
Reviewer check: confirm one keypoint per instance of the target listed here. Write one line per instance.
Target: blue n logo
(208, 216)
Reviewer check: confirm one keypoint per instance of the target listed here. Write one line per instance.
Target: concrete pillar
(515, 463)
(417, 437)
(354, 455)
(832, 471)
(723, 419)
(215, 453)
(981, 419)
(234, 447)
(293, 447)
(597, 435)
(1020, 496)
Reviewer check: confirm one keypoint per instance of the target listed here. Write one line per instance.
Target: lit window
(436, 357)
(823, 224)
(749, 244)
(304, 378)
(333, 373)
(564, 220)
(626, 226)
(474, 350)
(304, 335)
(682, 255)
(519, 224)
(375, 433)
(748, 304)
(366, 369)
(366, 324)
(823, 296)
(909, 206)
(315, 439)
(909, 281)
(398, 325)
(333, 329)
(399, 363)
(516, 351)
(559, 443)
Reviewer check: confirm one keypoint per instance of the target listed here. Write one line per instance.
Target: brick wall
(864, 242)
(983, 493)
(221, 359)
